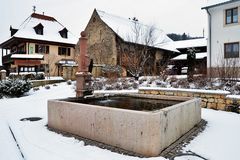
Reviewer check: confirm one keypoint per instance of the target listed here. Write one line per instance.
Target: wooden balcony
(7, 58)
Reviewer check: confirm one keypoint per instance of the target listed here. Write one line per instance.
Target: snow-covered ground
(219, 141)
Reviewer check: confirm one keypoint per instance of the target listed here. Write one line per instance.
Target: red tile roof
(44, 17)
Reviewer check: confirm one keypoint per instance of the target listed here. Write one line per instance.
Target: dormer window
(13, 31)
(39, 29)
(64, 33)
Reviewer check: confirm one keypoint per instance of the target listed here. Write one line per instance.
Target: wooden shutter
(69, 51)
(47, 49)
(36, 48)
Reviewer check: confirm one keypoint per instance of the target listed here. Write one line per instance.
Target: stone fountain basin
(147, 133)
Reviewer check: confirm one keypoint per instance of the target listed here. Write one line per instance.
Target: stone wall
(37, 83)
(101, 43)
(69, 72)
(212, 99)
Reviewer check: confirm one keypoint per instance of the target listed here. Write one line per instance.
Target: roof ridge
(42, 16)
(127, 19)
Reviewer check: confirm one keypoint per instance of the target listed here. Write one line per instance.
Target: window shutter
(69, 51)
(59, 51)
(47, 49)
(36, 48)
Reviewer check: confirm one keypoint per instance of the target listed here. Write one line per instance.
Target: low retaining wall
(37, 83)
(210, 98)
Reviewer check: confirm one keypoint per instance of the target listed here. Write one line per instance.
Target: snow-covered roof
(184, 56)
(124, 28)
(67, 62)
(215, 3)
(27, 56)
(200, 42)
(50, 31)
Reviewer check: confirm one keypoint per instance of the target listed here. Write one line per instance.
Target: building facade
(179, 64)
(224, 38)
(110, 37)
(40, 44)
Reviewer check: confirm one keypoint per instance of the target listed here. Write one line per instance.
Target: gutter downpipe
(210, 42)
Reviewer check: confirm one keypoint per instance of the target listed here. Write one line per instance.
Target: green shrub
(14, 88)
(27, 75)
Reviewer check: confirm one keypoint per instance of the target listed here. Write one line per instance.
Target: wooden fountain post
(83, 76)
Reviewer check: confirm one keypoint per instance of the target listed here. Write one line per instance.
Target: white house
(224, 34)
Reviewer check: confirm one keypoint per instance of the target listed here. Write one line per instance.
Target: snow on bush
(69, 82)
(27, 75)
(14, 88)
(114, 83)
(200, 82)
(47, 87)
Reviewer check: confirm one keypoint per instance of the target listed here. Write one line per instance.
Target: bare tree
(227, 68)
(137, 52)
(49, 64)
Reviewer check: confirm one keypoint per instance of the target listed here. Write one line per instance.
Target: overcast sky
(172, 16)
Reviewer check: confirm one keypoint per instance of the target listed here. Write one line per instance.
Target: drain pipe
(210, 42)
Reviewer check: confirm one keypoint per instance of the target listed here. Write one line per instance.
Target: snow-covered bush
(135, 85)
(40, 75)
(47, 87)
(109, 87)
(35, 88)
(182, 83)
(69, 82)
(111, 71)
(160, 83)
(14, 88)
(126, 85)
(27, 75)
(98, 83)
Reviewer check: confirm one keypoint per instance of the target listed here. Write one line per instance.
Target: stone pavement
(173, 150)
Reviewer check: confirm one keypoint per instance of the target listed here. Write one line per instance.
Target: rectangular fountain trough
(144, 131)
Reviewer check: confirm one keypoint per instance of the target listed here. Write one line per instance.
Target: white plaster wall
(222, 33)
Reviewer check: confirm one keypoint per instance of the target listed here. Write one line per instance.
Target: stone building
(111, 37)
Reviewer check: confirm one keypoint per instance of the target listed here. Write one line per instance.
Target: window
(39, 29)
(64, 33)
(232, 15)
(27, 69)
(39, 48)
(231, 50)
(64, 51)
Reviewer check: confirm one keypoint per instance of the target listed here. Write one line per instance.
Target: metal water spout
(83, 76)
